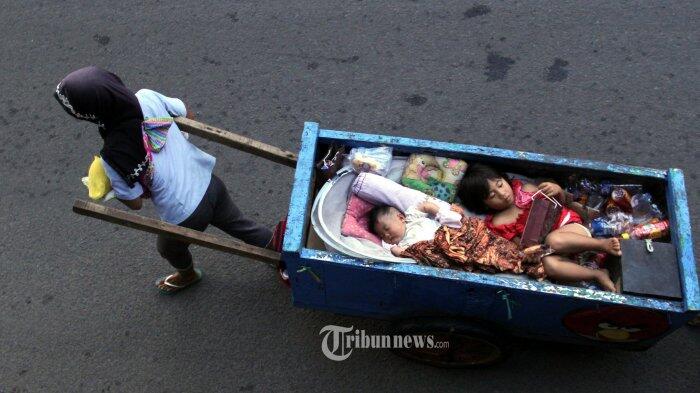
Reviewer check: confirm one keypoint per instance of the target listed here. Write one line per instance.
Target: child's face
(391, 227)
(500, 195)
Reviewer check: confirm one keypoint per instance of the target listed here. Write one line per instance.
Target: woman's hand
(552, 190)
(134, 204)
(190, 114)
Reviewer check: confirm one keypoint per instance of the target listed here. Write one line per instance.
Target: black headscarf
(100, 97)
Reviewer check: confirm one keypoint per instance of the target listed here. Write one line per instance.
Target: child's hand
(456, 208)
(397, 251)
(552, 190)
(429, 207)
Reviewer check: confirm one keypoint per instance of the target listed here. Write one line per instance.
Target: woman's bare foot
(603, 278)
(611, 246)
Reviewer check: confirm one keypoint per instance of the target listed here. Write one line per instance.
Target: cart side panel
(682, 238)
(491, 154)
(524, 308)
(298, 215)
(308, 280)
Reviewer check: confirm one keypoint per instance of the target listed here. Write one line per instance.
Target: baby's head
(388, 223)
(483, 188)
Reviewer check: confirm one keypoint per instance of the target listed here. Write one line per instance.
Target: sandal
(173, 288)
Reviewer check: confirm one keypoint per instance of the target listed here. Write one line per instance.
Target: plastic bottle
(650, 231)
(614, 225)
(643, 211)
(622, 199)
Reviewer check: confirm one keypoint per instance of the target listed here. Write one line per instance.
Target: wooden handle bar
(131, 220)
(237, 141)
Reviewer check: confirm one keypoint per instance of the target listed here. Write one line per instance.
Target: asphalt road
(610, 81)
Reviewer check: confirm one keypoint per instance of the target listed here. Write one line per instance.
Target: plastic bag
(375, 160)
(97, 182)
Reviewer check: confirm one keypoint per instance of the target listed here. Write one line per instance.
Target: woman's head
(98, 96)
(483, 188)
(388, 223)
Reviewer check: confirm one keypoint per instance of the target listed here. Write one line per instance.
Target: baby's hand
(456, 208)
(397, 251)
(552, 190)
(429, 207)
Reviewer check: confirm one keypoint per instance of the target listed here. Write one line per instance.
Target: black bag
(647, 268)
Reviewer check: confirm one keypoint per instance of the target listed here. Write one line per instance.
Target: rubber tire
(486, 346)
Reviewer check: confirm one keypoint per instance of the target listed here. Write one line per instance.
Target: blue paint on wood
(301, 190)
(496, 281)
(351, 286)
(440, 148)
(681, 234)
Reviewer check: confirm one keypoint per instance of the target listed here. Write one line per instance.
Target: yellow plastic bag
(97, 182)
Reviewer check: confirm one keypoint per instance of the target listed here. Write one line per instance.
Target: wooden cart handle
(237, 141)
(131, 220)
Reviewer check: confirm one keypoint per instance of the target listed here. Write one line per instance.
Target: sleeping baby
(420, 222)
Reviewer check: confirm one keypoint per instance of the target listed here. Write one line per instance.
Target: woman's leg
(231, 220)
(177, 252)
(563, 269)
(573, 238)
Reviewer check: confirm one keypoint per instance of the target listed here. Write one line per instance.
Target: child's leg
(563, 269)
(573, 238)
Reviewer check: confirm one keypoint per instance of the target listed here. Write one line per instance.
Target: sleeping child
(508, 202)
(398, 230)
(450, 240)
(413, 226)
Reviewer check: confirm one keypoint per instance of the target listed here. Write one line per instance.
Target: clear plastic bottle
(614, 225)
(643, 210)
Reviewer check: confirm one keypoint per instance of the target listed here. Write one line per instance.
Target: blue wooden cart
(478, 312)
(475, 313)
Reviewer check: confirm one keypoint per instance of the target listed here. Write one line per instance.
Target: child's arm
(397, 251)
(429, 208)
(552, 190)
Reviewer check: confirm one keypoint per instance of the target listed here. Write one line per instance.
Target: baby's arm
(451, 218)
(397, 250)
(429, 208)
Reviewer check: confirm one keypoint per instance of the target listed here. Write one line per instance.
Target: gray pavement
(610, 81)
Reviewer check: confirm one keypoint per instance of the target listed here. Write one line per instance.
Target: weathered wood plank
(236, 141)
(299, 204)
(151, 225)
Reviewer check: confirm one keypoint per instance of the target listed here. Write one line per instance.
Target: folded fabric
(435, 176)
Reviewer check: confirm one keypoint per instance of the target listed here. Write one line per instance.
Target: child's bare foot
(603, 278)
(612, 246)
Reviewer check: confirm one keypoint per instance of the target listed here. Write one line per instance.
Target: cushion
(436, 176)
(356, 220)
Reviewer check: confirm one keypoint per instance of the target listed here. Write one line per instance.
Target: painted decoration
(616, 324)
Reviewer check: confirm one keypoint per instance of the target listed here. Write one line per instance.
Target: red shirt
(523, 200)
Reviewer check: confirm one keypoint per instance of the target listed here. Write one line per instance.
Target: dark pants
(218, 209)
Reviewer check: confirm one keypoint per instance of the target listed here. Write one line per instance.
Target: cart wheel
(468, 345)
